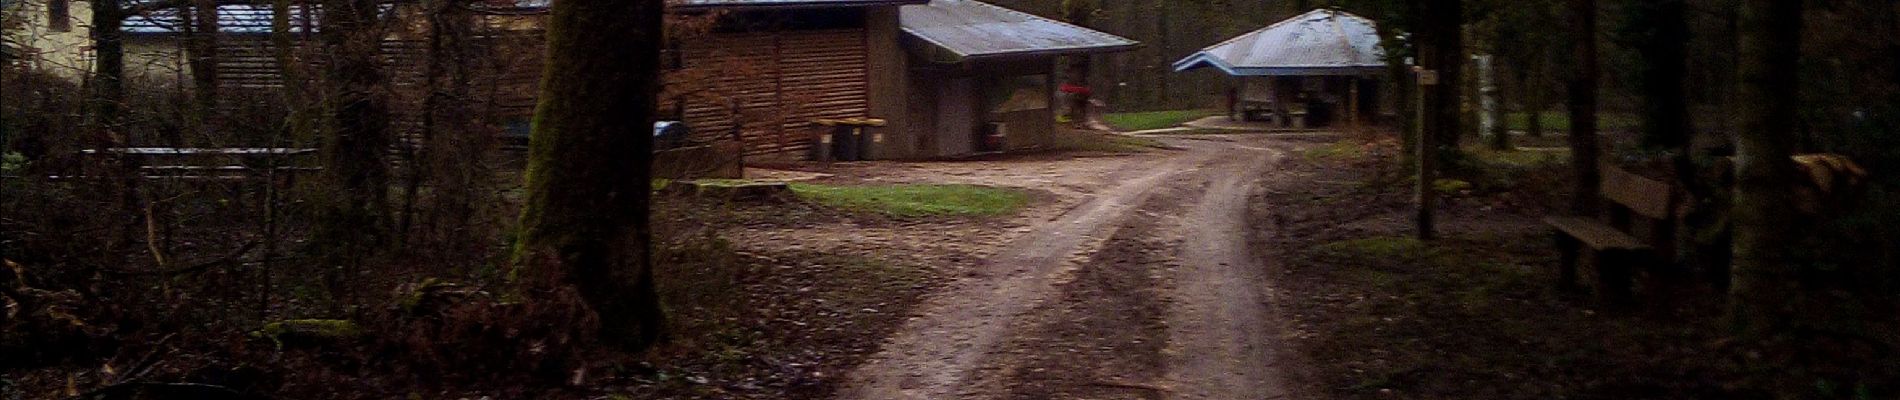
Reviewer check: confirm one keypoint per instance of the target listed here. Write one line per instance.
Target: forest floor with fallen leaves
(1378, 314)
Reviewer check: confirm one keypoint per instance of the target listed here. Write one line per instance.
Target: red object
(1071, 88)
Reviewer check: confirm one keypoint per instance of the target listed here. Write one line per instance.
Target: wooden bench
(1635, 231)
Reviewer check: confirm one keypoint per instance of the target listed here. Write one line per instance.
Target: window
(59, 15)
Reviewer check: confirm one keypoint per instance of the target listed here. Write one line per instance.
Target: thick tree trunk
(1764, 288)
(1583, 108)
(585, 224)
(1494, 106)
(353, 216)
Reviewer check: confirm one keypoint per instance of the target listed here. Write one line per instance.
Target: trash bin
(821, 146)
(844, 143)
(848, 139)
(867, 143)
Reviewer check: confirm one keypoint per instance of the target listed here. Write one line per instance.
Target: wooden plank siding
(767, 87)
(763, 87)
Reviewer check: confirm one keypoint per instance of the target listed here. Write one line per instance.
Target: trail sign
(1426, 77)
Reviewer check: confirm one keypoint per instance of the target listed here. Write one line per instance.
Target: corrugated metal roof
(973, 29)
(1321, 42)
(708, 4)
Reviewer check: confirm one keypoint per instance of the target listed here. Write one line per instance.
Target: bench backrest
(1643, 196)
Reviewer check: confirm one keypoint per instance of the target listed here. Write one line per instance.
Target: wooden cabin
(763, 71)
(981, 76)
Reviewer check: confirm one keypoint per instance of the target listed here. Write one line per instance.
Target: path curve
(932, 355)
(1220, 344)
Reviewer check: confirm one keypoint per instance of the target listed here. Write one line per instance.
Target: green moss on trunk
(585, 223)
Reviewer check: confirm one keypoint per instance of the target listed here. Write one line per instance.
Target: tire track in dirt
(1222, 297)
(934, 354)
(1102, 338)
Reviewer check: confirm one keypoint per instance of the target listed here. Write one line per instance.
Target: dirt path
(1216, 347)
(1036, 304)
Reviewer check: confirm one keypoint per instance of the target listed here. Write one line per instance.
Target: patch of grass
(1557, 121)
(1106, 143)
(1451, 187)
(1335, 150)
(1205, 131)
(916, 200)
(1517, 158)
(1145, 120)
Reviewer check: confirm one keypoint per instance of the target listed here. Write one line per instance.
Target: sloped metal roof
(1321, 42)
(970, 29)
(710, 4)
(256, 18)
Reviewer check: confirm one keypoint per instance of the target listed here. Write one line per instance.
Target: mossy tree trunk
(585, 224)
(1583, 108)
(1764, 287)
(353, 216)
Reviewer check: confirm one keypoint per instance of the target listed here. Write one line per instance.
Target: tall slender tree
(1763, 291)
(585, 224)
(1583, 107)
(1441, 49)
(202, 55)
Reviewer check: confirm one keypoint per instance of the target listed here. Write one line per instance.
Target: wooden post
(1352, 101)
(1426, 156)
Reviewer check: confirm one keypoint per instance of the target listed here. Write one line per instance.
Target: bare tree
(585, 224)
(353, 216)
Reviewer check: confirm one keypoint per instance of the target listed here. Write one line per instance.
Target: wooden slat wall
(777, 82)
(248, 65)
(770, 84)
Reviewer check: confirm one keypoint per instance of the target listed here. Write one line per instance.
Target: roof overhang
(1321, 42)
(1202, 60)
(949, 56)
(954, 31)
(708, 5)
